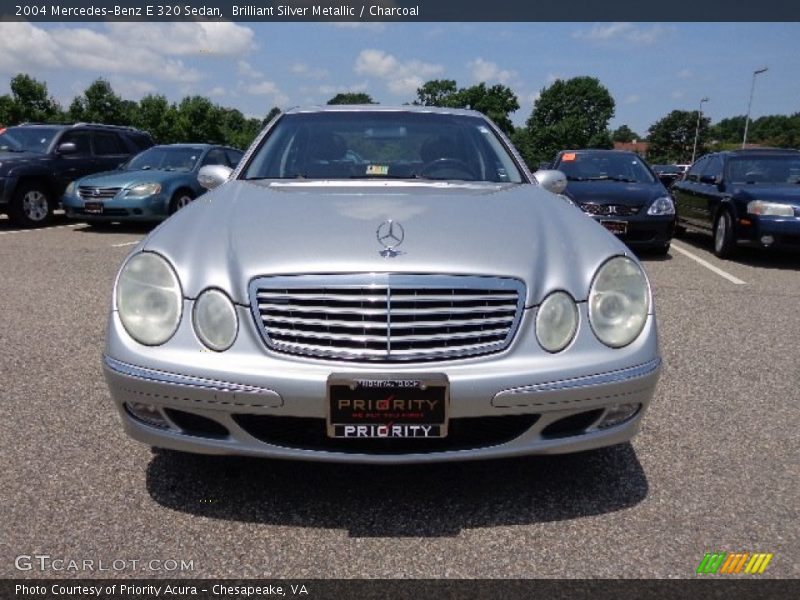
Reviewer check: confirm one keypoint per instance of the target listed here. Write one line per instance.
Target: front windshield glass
(165, 159)
(605, 166)
(383, 145)
(27, 139)
(764, 169)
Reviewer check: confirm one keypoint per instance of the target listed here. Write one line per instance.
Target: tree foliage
(625, 134)
(672, 138)
(29, 101)
(352, 98)
(572, 113)
(496, 102)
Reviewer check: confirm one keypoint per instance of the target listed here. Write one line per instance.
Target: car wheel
(680, 231)
(31, 206)
(661, 250)
(724, 241)
(180, 199)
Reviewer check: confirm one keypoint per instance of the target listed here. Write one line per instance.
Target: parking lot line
(708, 265)
(41, 229)
(134, 242)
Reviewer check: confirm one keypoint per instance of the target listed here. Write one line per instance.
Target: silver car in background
(383, 285)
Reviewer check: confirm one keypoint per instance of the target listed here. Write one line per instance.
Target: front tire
(180, 199)
(31, 206)
(724, 235)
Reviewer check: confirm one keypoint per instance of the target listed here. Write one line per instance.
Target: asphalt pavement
(715, 468)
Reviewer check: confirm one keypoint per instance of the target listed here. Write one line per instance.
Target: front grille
(386, 317)
(309, 434)
(606, 210)
(87, 192)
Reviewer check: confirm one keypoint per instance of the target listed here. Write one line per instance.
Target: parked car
(618, 189)
(750, 196)
(668, 174)
(383, 285)
(37, 162)
(149, 187)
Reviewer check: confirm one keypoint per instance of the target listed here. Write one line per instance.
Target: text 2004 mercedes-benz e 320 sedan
(381, 285)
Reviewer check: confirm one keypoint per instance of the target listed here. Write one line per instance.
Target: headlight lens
(144, 189)
(618, 302)
(214, 319)
(661, 206)
(70, 189)
(149, 299)
(556, 321)
(770, 209)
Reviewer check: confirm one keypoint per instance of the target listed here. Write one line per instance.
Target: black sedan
(750, 196)
(619, 190)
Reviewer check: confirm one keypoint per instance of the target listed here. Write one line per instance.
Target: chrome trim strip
(215, 385)
(610, 377)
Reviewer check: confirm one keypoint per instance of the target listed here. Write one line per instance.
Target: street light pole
(750, 103)
(697, 127)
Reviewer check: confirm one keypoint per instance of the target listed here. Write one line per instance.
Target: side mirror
(712, 179)
(212, 176)
(67, 148)
(551, 180)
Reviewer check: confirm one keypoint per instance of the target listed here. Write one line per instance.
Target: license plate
(93, 208)
(390, 406)
(616, 227)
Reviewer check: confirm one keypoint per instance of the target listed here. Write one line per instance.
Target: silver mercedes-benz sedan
(381, 285)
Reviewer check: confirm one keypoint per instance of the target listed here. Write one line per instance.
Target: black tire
(180, 199)
(724, 235)
(661, 250)
(680, 231)
(31, 206)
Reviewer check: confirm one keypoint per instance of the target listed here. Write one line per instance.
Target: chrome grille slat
(87, 192)
(387, 317)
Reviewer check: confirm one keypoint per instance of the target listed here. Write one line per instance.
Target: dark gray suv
(37, 162)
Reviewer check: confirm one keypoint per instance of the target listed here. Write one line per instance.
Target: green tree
(438, 92)
(273, 112)
(199, 120)
(30, 101)
(7, 110)
(99, 104)
(352, 98)
(572, 113)
(238, 130)
(672, 137)
(623, 133)
(728, 130)
(157, 116)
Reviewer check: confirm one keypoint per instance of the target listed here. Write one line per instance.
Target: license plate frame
(93, 208)
(615, 227)
(393, 406)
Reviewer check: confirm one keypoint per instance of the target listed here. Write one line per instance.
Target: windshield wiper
(609, 178)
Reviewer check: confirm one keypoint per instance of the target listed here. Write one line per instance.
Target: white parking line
(133, 243)
(41, 229)
(708, 265)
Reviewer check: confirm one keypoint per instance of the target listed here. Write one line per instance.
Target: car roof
(410, 108)
(762, 152)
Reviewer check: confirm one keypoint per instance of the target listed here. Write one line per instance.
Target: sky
(649, 68)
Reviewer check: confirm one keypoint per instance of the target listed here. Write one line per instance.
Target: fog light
(767, 240)
(618, 413)
(147, 413)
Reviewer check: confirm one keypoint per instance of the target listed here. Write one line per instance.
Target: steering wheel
(447, 164)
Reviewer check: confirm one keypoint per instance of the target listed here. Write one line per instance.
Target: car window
(764, 169)
(107, 144)
(80, 139)
(713, 167)
(693, 174)
(215, 156)
(165, 158)
(600, 166)
(382, 145)
(234, 156)
(26, 139)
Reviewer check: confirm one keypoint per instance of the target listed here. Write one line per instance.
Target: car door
(710, 191)
(687, 194)
(74, 165)
(109, 150)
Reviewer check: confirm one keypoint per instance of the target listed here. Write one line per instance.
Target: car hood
(9, 160)
(125, 179)
(247, 229)
(787, 194)
(614, 192)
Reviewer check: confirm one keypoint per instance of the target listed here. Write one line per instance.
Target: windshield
(606, 166)
(383, 145)
(27, 139)
(766, 169)
(165, 159)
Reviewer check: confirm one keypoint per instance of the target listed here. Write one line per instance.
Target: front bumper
(780, 232)
(119, 208)
(518, 402)
(643, 230)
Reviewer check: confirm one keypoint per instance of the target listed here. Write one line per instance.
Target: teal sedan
(150, 187)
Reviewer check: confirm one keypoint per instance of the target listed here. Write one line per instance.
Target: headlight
(70, 189)
(618, 302)
(214, 320)
(149, 299)
(144, 189)
(770, 209)
(556, 321)
(661, 206)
